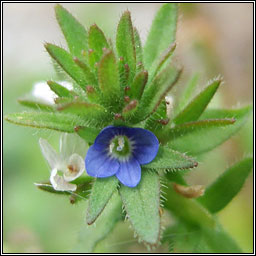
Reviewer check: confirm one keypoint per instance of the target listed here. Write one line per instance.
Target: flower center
(120, 146)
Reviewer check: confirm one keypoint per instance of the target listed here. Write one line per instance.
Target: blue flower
(120, 151)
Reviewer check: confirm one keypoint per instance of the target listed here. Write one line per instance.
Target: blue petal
(129, 173)
(104, 137)
(146, 144)
(99, 164)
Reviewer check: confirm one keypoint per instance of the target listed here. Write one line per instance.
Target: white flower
(69, 164)
(42, 91)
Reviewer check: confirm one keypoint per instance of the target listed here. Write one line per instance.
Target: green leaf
(34, 104)
(125, 43)
(138, 49)
(176, 177)
(138, 85)
(75, 34)
(89, 76)
(59, 89)
(155, 92)
(142, 206)
(172, 160)
(102, 190)
(200, 136)
(197, 106)
(191, 239)
(97, 41)
(91, 235)
(188, 92)
(65, 60)
(187, 210)
(158, 64)
(162, 32)
(81, 193)
(88, 111)
(226, 187)
(109, 80)
(87, 133)
(46, 120)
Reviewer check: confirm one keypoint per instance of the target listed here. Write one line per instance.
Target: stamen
(111, 146)
(120, 144)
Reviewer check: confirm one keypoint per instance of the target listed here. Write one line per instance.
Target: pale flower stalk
(69, 164)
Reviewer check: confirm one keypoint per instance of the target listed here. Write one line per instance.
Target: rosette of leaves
(126, 84)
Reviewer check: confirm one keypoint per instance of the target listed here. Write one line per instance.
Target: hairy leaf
(75, 34)
(46, 120)
(97, 41)
(109, 80)
(162, 32)
(59, 90)
(198, 137)
(172, 160)
(138, 84)
(142, 206)
(195, 108)
(226, 187)
(125, 43)
(102, 190)
(34, 104)
(138, 50)
(65, 60)
(155, 92)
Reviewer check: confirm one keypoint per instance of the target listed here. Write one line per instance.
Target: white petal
(49, 154)
(75, 167)
(42, 91)
(59, 183)
(71, 143)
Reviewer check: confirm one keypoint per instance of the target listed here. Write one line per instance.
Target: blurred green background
(213, 39)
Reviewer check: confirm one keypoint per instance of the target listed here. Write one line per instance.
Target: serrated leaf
(200, 136)
(155, 92)
(172, 160)
(138, 84)
(142, 206)
(65, 60)
(97, 41)
(196, 107)
(91, 235)
(34, 104)
(125, 43)
(162, 32)
(75, 34)
(102, 190)
(188, 210)
(226, 187)
(109, 80)
(59, 90)
(188, 92)
(87, 133)
(46, 120)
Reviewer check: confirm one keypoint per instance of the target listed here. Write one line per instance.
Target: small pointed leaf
(138, 49)
(59, 89)
(138, 84)
(34, 104)
(142, 206)
(87, 133)
(197, 106)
